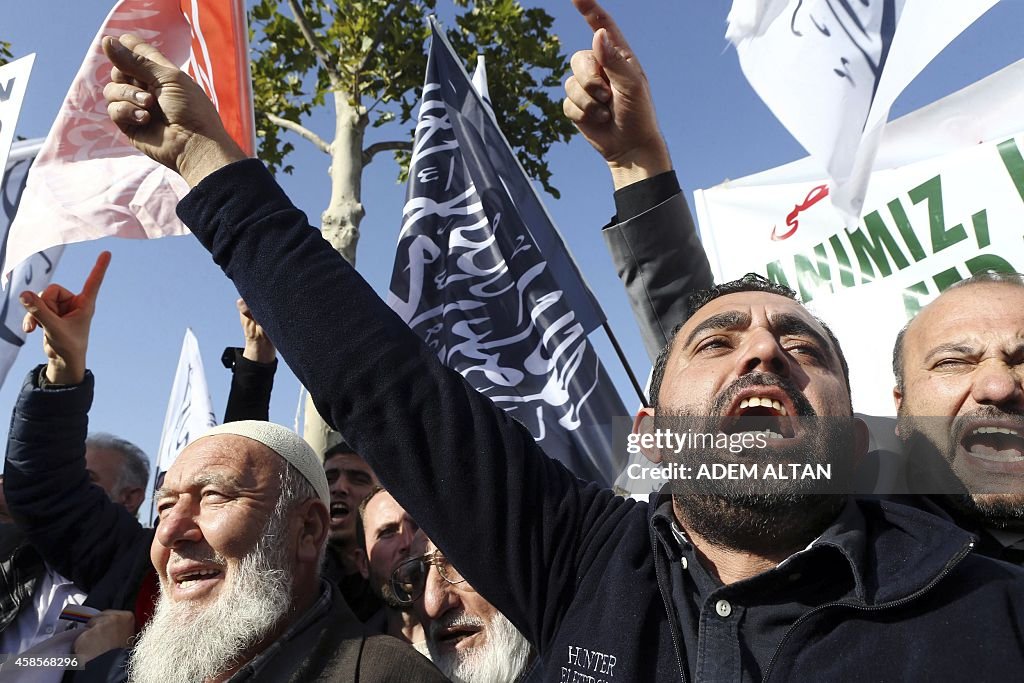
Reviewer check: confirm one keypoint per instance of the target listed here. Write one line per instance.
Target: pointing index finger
(91, 288)
(597, 18)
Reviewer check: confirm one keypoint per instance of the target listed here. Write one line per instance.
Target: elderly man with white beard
(467, 637)
(243, 525)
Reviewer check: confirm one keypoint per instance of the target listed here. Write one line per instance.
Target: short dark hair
(360, 529)
(751, 282)
(986, 277)
(340, 448)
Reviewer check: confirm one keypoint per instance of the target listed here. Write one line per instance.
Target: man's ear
(314, 524)
(897, 398)
(362, 562)
(132, 499)
(642, 438)
(861, 439)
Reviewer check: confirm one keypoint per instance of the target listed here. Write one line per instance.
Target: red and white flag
(88, 181)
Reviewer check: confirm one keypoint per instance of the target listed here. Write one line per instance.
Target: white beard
(197, 643)
(502, 659)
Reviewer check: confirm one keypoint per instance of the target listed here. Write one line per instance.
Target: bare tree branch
(301, 131)
(379, 34)
(321, 54)
(378, 147)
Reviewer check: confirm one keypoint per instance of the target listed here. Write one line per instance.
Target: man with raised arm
(652, 239)
(977, 382)
(734, 584)
(72, 522)
(252, 370)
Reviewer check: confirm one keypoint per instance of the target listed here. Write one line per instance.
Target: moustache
(961, 423)
(450, 621)
(763, 379)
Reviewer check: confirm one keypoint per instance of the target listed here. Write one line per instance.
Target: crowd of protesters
(438, 541)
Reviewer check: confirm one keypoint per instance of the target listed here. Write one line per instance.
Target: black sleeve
(251, 384)
(464, 469)
(643, 195)
(71, 521)
(660, 260)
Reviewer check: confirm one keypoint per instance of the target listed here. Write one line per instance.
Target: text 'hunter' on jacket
(570, 564)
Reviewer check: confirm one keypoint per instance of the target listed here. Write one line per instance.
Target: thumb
(618, 61)
(38, 310)
(243, 308)
(126, 53)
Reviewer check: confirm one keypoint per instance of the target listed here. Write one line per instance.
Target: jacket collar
(894, 551)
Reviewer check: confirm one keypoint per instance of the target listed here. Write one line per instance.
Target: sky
(715, 125)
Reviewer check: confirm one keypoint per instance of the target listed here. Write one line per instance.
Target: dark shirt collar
(317, 611)
(847, 535)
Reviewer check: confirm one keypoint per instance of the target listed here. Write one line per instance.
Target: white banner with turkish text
(946, 201)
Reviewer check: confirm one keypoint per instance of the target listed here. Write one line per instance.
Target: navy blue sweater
(578, 570)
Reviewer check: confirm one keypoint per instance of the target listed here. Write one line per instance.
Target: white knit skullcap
(286, 443)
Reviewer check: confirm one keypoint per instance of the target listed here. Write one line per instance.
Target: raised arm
(252, 371)
(71, 521)
(65, 318)
(652, 241)
(514, 521)
(609, 99)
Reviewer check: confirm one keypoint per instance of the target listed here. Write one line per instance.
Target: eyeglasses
(409, 580)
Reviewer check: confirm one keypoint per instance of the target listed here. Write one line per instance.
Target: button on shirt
(39, 618)
(730, 633)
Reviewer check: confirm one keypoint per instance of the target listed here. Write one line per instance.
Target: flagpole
(152, 493)
(625, 364)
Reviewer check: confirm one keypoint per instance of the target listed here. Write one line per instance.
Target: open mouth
(456, 635)
(195, 580)
(994, 444)
(339, 512)
(759, 414)
(201, 575)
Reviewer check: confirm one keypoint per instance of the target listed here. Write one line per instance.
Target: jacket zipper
(869, 608)
(668, 607)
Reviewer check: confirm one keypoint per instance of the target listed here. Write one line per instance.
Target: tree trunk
(340, 221)
(340, 224)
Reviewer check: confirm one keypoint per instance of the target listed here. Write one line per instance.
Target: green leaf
(383, 77)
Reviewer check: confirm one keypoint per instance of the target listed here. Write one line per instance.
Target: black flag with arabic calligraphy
(484, 278)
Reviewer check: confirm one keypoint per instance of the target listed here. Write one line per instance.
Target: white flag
(830, 70)
(13, 84)
(480, 81)
(190, 410)
(34, 273)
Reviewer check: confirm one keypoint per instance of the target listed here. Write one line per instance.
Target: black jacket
(251, 384)
(21, 567)
(72, 522)
(658, 257)
(575, 568)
